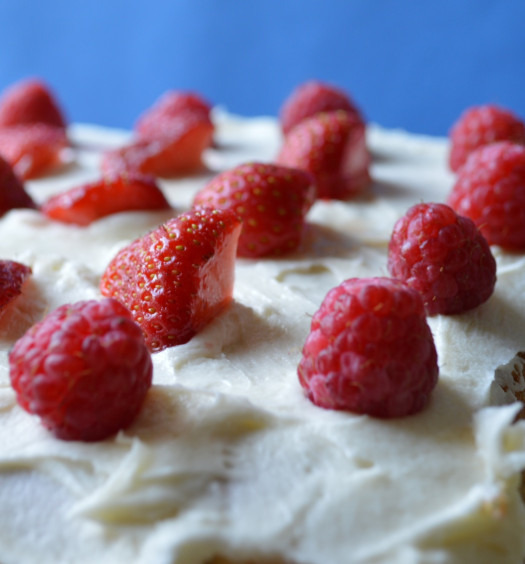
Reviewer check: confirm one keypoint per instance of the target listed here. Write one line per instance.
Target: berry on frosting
(165, 147)
(81, 205)
(444, 257)
(84, 370)
(313, 97)
(481, 125)
(171, 106)
(370, 350)
(12, 191)
(177, 278)
(33, 150)
(490, 189)
(12, 277)
(271, 200)
(28, 102)
(332, 147)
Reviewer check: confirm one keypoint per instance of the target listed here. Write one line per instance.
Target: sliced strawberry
(332, 147)
(313, 97)
(271, 200)
(32, 150)
(84, 204)
(176, 152)
(177, 278)
(154, 122)
(12, 277)
(12, 191)
(30, 101)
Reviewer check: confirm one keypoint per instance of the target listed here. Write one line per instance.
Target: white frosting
(227, 456)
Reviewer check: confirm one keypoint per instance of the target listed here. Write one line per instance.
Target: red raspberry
(84, 370)
(177, 278)
(12, 191)
(313, 97)
(81, 205)
(332, 147)
(271, 200)
(480, 126)
(370, 350)
(490, 189)
(12, 277)
(444, 257)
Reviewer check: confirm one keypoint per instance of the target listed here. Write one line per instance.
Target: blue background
(410, 64)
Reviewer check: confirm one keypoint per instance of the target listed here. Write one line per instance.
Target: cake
(228, 461)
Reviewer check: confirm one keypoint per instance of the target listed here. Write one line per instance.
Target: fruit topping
(444, 257)
(12, 277)
(177, 278)
(12, 191)
(84, 370)
(370, 350)
(86, 203)
(271, 200)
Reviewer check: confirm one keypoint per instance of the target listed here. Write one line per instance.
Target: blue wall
(411, 64)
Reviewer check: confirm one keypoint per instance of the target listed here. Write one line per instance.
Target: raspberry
(12, 277)
(84, 370)
(479, 126)
(370, 350)
(490, 189)
(444, 257)
(313, 97)
(12, 191)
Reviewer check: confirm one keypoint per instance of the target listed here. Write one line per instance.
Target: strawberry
(271, 200)
(173, 105)
(33, 149)
(177, 278)
(30, 101)
(332, 147)
(177, 150)
(12, 191)
(313, 97)
(12, 277)
(88, 202)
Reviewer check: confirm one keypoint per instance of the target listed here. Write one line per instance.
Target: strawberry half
(84, 204)
(30, 101)
(311, 98)
(12, 191)
(173, 105)
(32, 149)
(12, 277)
(332, 147)
(175, 151)
(271, 200)
(177, 278)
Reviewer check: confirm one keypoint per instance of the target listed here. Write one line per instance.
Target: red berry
(12, 191)
(490, 189)
(173, 105)
(12, 277)
(30, 101)
(177, 278)
(84, 204)
(370, 350)
(332, 147)
(32, 150)
(481, 125)
(177, 150)
(84, 370)
(314, 97)
(444, 257)
(271, 201)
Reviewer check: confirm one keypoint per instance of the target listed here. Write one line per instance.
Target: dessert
(228, 460)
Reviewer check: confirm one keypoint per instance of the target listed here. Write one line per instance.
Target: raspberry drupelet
(444, 257)
(370, 350)
(84, 370)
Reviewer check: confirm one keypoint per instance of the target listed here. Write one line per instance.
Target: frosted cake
(228, 460)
